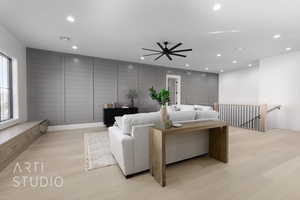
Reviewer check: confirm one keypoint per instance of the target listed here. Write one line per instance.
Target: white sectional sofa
(129, 139)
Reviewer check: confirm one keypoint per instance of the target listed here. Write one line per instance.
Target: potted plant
(162, 97)
(132, 94)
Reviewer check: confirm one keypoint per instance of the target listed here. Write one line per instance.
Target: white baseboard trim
(75, 126)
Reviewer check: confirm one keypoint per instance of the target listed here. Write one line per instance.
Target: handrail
(259, 116)
(245, 116)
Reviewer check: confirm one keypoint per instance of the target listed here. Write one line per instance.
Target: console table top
(194, 126)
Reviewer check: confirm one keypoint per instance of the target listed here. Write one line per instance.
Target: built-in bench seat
(14, 140)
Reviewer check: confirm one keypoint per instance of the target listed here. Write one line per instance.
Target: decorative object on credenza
(108, 105)
(132, 94)
(162, 97)
(165, 50)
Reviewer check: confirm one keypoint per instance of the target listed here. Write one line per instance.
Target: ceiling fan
(165, 50)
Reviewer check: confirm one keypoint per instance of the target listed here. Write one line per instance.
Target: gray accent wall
(66, 88)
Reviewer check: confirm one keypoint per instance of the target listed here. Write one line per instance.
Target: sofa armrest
(140, 134)
(122, 147)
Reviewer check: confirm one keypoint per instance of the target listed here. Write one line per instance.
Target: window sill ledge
(8, 123)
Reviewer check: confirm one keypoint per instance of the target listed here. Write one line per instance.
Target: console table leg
(158, 156)
(218, 143)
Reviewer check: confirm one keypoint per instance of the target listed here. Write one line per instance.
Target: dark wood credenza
(109, 114)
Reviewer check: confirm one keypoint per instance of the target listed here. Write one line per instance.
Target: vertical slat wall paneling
(149, 76)
(79, 89)
(46, 80)
(105, 86)
(58, 85)
(127, 79)
(194, 83)
(212, 81)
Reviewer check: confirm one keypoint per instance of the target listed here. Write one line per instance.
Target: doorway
(173, 84)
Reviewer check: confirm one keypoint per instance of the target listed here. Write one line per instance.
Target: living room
(176, 99)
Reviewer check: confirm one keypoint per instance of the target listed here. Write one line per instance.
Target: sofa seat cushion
(182, 116)
(138, 119)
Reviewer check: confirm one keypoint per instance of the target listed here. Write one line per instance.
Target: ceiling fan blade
(151, 50)
(175, 54)
(182, 50)
(151, 54)
(162, 48)
(159, 56)
(169, 56)
(177, 45)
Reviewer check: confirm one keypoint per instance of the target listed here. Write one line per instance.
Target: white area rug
(97, 151)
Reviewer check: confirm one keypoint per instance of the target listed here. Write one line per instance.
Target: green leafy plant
(162, 97)
(132, 94)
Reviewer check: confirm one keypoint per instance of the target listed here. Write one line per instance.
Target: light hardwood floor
(262, 166)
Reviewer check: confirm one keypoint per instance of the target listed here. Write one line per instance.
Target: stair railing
(245, 116)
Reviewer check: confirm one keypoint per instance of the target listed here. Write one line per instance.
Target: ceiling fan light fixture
(164, 50)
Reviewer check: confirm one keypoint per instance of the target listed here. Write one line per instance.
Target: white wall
(10, 46)
(275, 82)
(280, 84)
(239, 87)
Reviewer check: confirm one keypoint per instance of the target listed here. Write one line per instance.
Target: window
(6, 105)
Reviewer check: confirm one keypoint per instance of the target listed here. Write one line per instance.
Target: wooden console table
(218, 144)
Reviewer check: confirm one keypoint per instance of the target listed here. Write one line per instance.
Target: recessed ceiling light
(240, 49)
(65, 38)
(70, 19)
(187, 65)
(288, 48)
(219, 55)
(250, 65)
(222, 70)
(277, 36)
(217, 7)
(74, 47)
(206, 68)
(142, 58)
(234, 62)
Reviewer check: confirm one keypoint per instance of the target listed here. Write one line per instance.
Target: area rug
(97, 151)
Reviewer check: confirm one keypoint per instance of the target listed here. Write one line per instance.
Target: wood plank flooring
(262, 166)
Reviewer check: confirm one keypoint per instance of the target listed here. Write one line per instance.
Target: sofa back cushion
(138, 119)
(203, 108)
(182, 116)
(186, 107)
(207, 115)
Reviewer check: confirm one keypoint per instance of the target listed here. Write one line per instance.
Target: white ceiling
(118, 29)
